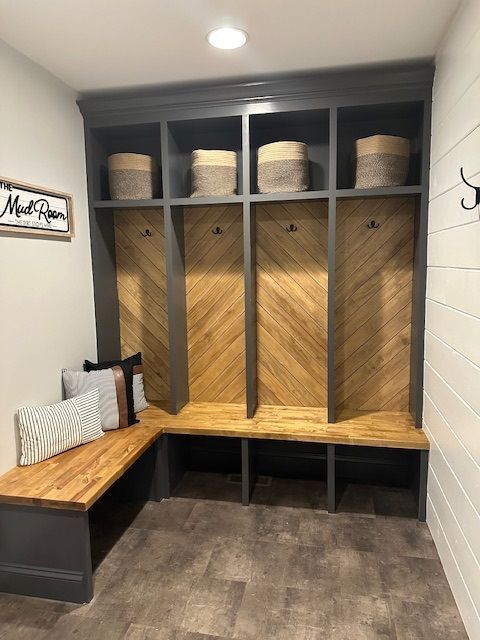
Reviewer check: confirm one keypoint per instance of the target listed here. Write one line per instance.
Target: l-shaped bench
(44, 508)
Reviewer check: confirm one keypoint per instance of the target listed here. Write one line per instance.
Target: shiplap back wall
(452, 349)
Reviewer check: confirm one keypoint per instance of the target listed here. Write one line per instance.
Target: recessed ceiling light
(227, 38)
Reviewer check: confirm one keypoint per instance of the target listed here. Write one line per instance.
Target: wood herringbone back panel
(373, 303)
(215, 304)
(292, 304)
(141, 283)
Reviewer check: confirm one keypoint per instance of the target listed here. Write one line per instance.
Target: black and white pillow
(47, 431)
(112, 393)
(131, 366)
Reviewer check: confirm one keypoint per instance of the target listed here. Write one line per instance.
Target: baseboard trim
(43, 582)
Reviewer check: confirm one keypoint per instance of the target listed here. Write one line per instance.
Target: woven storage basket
(282, 167)
(132, 176)
(214, 173)
(381, 161)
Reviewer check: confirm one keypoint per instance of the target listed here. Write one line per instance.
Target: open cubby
(136, 138)
(215, 305)
(142, 296)
(310, 126)
(403, 119)
(373, 304)
(291, 310)
(184, 136)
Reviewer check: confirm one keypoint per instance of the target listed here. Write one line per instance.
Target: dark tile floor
(198, 568)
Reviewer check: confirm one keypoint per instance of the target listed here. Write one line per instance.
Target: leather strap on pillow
(122, 401)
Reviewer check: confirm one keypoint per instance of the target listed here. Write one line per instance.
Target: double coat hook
(373, 225)
(147, 234)
(291, 228)
(217, 231)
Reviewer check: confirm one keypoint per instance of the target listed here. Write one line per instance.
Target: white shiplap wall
(452, 341)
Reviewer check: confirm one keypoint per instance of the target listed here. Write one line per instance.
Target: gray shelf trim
(205, 201)
(128, 204)
(379, 192)
(284, 197)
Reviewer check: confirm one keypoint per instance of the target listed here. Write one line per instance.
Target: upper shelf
(311, 126)
(403, 119)
(184, 136)
(138, 138)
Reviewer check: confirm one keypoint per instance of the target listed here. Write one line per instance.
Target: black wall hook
(477, 193)
(291, 228)
(373, 225)
(147, 234)
(217, 231)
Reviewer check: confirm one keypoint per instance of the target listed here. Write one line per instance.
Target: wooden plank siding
(215, 303)
(373, 304)
(141, 284)
(292, 303)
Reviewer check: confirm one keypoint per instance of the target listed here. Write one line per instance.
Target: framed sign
(25, 208)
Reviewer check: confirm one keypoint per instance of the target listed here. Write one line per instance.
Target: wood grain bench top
(77, 478)
(392, 429)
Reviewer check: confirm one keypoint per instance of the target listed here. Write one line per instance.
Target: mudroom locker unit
(283, 307)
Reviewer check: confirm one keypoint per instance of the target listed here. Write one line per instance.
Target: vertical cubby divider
(332, 217)
(176, 296)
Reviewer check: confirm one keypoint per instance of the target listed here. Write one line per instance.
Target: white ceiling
(104, 44)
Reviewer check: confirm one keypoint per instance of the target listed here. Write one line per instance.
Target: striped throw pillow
(47, 431)
(111, 391)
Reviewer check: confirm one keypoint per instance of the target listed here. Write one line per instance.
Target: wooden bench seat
(392, 429)
(77, 478)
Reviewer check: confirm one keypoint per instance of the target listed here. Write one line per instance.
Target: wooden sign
(25, 208)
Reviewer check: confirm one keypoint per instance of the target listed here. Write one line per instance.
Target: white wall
(452, 351)
(46, 294)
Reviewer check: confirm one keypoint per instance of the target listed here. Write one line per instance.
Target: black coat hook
(217, 231)
(477, 193)
(291, 228)
(373, 225)
(147, 234)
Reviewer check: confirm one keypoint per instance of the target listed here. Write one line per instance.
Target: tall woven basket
(282, 167)
(381, 161)
(132, 176)
(214, 173)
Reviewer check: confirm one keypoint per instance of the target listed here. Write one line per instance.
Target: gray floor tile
(356, 498)
(360, 617)
(416, 578)
(166, 515)
(421, 620)
(208, 486)
(212, 606)
(86, 627)
(142, 632)
(281, 613)
(196, 569)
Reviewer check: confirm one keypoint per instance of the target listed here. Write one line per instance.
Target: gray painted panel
(45, 553)
(102, 239)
